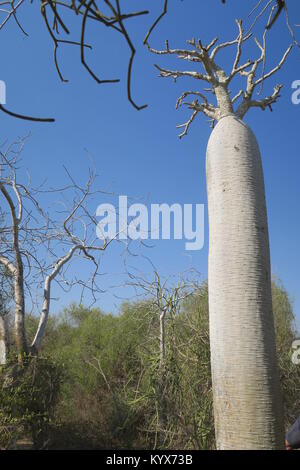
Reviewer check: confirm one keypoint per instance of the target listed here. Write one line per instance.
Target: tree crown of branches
(218, 80)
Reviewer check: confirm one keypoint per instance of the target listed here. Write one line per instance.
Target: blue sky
(138, 153)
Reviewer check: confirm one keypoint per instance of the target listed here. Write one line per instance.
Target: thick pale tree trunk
(246, 389)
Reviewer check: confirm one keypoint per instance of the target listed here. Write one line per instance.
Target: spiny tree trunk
(246, 389)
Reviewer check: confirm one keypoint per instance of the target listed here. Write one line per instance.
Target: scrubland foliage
(97, 381)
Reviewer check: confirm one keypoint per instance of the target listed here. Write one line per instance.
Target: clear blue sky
(138, 153)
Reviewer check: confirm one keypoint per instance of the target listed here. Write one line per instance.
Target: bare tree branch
(277, 6)
(175, 74)
(275, 69)
(219, 79)
(153, 26)
(88, 10)
(25, 118)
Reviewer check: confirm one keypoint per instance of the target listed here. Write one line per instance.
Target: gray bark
(20, 333)
(4, 339)
(245, 376)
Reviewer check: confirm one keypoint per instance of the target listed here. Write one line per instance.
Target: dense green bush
(102, 385)
(28, 397)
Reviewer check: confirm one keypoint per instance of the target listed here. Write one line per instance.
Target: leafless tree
(38, 245)
(166, 298)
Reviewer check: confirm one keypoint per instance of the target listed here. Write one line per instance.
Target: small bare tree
(5, 300)
(165, 299)
(37, 246)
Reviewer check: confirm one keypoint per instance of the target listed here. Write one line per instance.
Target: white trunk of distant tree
(16, 268)
(4, 339)
(245, 377)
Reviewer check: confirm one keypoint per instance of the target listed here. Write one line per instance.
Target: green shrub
(98, 383)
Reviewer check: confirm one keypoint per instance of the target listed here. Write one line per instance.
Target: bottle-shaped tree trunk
(245, 376)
